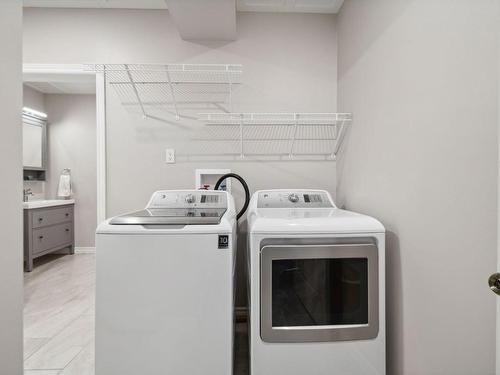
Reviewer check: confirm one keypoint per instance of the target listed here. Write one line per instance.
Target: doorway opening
(64, 185)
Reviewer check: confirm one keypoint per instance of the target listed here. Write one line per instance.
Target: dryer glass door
(319, 292)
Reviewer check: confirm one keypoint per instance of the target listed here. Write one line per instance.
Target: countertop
(47, 203)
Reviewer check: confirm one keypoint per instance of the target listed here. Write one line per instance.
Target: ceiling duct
(204, 19)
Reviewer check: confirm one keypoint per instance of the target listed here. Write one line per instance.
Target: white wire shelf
(282, 135)
(173, 88)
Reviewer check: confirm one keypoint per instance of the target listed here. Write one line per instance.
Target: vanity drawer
(51, 216)
(53, 236)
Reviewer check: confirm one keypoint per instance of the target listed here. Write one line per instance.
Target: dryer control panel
(188, 199)
(294, 199)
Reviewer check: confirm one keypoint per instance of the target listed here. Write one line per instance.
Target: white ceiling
(293, 6)
(125, 4)
(61, 83)
(62, 88)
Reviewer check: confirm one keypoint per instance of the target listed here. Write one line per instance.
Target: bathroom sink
(47, 203)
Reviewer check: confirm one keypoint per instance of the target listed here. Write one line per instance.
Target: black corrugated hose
(245, 186)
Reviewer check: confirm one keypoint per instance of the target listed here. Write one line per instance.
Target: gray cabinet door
(46, 230)
(51, 237)
(52, 216)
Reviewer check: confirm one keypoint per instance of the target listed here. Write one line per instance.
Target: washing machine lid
(179, 207)
(171, 216)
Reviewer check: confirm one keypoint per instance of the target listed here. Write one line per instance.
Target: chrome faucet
(26, 194)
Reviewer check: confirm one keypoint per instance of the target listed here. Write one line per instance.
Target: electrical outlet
(169, 156)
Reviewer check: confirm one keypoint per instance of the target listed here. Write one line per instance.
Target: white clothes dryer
(316, 286)
(164, 288)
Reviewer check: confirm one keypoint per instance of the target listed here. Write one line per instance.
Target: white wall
(11, 250)
(421, 78)
(72, 144)
(33, 99)
(498, 224)
(289, 65)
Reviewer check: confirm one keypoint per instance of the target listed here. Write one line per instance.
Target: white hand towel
(64, 189)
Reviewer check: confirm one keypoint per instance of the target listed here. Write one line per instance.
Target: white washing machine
(316, 286)
(164, 302)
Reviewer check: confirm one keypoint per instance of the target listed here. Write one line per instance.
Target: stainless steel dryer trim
(303, 248)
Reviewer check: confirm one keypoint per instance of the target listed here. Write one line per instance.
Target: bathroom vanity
(48, 227)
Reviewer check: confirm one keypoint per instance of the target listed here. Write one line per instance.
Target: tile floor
(59, 318)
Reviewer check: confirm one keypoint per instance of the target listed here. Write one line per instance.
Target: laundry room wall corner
(421, 78)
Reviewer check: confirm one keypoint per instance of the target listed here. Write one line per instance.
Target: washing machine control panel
(294, 199)
(188, 199)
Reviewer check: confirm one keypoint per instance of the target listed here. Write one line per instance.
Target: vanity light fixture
(35, 113)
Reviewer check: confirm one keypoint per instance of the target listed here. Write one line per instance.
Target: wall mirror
(34, 140)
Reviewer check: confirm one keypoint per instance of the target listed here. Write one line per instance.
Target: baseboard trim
(84, 250)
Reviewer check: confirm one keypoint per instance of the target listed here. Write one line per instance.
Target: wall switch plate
(170, 156)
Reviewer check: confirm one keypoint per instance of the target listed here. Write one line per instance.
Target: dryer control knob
(190, 198)
(294, 198)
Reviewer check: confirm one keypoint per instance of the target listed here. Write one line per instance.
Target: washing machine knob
(294, 198)
(190, 198)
